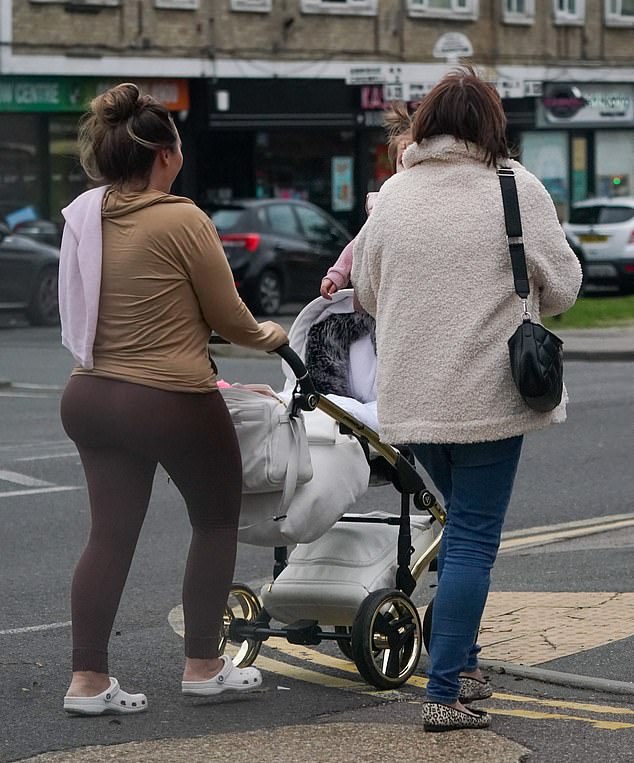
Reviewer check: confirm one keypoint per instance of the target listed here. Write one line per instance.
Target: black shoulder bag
(536, 354)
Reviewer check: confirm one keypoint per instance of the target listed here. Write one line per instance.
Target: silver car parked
(604, 229)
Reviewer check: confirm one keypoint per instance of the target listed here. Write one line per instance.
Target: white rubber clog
(112, 700)
(230, 678)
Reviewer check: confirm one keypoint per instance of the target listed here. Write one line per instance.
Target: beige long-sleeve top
(165, 285)
(432, 265)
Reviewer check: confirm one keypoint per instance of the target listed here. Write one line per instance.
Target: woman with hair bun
(143, 281)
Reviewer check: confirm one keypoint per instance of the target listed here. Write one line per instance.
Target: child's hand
(327, 288)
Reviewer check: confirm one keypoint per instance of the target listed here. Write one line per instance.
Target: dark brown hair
(465, 106)
(120, 134)
(397, 121)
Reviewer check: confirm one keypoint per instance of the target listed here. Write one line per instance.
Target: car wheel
(267, 294)
(43, 309)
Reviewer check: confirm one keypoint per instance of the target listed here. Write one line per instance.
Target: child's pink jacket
(339, 273)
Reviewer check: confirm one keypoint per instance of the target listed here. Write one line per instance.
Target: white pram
(349, 576)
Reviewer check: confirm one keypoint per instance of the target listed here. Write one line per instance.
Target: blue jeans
(476, 481)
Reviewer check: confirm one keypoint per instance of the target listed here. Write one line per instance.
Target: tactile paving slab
(531, 628)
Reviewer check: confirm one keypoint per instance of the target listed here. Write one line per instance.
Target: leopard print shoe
(473, 689)
(439, 717)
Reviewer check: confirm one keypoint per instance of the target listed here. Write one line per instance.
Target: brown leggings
(122, 431)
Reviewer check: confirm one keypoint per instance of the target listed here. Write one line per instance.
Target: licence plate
(592, 238)
(601, 271)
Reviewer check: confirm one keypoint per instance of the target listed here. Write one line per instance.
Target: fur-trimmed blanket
(328, 350)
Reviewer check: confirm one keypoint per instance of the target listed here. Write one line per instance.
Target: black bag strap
(514, 237)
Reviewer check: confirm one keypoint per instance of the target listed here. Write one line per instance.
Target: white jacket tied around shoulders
(432, 265)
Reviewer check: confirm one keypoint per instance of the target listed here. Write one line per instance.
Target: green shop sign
(75, 93)
(46, 93)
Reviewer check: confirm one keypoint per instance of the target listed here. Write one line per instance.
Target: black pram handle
(298, 368)
(296, 365)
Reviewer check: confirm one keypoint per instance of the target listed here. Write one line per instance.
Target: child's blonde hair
(397, 121)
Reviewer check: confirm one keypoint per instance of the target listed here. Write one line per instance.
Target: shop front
(285, 138)
(39, 167)
(583, 144)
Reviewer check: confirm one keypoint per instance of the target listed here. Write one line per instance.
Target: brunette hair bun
(121, 133)
(117, 104)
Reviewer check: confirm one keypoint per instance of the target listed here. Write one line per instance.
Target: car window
(226, 219)
(600, 214)
(584, 215)
(616, 214)
(282, 220)
(316, 226)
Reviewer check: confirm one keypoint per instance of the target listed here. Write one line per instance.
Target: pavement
(509, 628)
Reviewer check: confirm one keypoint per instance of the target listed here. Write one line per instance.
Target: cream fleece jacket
(432, 265)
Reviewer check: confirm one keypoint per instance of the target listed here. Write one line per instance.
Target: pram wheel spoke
(242, 604)
(386, 638)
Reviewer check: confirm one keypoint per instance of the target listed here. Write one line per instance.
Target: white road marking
(22, 479)
(33, 628)
(26, 385)
(35, 395)
(35, 491)
(31, 445)
(50, 455)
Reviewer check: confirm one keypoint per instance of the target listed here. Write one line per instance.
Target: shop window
(569, 12)
(619, 12)
(21, 168)
(77, 4)
(614, 163)
(176, 5)
(342, 7)
(298, 165)
(546, 155)
(518, 11)
(252, 6)
(67, 178)
(457, 9)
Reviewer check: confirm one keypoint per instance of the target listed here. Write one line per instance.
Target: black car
(45, 231)
(28, 278)
(278, 249)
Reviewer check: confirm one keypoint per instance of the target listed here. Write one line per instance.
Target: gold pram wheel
(242, 603)
(386, 638)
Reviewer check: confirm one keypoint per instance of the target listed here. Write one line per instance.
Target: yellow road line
(309, 676)
(312, 656)
(337, 663)
(537, 716)
(552, 537)
(603, 521)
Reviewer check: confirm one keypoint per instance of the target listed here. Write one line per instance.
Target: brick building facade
(270, 94)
